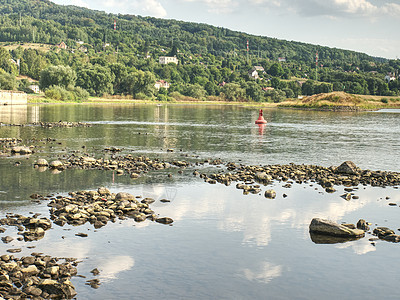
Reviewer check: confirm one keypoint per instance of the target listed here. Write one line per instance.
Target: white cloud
(136, 7)
(79, 3)
(331, 8)
(139, 7)
(218, 6)
(392, 9)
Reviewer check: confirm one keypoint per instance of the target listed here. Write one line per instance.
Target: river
(222, 244)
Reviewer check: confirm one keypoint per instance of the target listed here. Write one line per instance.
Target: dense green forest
(213, 62)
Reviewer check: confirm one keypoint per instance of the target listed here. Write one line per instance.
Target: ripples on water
(223, 245)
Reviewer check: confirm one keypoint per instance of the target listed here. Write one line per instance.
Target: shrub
(70, 94)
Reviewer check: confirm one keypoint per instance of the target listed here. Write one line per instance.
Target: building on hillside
(62, 45)
(253, 73)
(35, 88)
(165, 60)
(390, 77)
(15, 62)
(268, 88)
(83, 49)
(282, 59)
(161, 84)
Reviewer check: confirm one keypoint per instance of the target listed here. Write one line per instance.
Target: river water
(223, 244)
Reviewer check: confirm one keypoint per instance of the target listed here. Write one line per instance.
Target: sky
(368, 26)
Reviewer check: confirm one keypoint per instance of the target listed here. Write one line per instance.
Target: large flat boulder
(348, 168)
(330, 228)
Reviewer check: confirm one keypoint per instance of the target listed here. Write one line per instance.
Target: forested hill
(73, 51)
(45, 22)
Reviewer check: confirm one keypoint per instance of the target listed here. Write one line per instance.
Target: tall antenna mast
(247, 45)
(316, 66)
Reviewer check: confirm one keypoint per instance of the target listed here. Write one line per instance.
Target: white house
(35, 88)
(390, 77)
(165, 60)
(162, 84)
(253, 73)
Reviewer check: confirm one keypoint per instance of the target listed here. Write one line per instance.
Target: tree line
(213, 61)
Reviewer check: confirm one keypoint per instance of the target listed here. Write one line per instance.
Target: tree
(276, 70)
(119, 73)
(7, 81)
(195, 91)
(233, 92)
(254, 92)
(62, 76)
(97, 80)
(139, 82)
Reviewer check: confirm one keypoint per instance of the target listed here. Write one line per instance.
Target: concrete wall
(13, 98)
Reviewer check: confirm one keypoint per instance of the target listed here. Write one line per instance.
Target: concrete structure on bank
(13, 98)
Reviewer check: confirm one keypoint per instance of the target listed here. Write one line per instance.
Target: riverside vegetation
(213, 64)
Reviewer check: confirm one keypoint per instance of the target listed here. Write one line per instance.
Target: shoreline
(370, 105)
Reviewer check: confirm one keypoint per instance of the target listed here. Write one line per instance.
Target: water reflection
(13, 114)
(261, 128)
(265, 272)
(361, 247)
(111, 266)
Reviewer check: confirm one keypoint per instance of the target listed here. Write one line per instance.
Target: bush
(80, 93)
(384, 100)
(143, 96)
(70, 94)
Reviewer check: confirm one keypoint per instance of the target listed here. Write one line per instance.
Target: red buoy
(261, 119)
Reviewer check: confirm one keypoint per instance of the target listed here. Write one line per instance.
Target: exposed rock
(383, 231)
(95, 272)
(103, 191)
(327, 227)
(17, 250)
(270, 194)
(21, 150)
(34, 234)
(41, 162)
(124, 196)
(81, 234)
(134, 175)
(361, 224)
(53, 287)
(7, 239)
(348, 167)
(164, 220)
(56, 164)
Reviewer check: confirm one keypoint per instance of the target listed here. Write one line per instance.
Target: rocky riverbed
(44, 277)
(28, 277)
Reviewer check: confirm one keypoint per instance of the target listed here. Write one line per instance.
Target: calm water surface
(222, 245)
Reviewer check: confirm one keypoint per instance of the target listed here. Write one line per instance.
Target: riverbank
(335, 101)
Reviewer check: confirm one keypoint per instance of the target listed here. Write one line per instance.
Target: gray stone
(361, 224)
(348, 167)
(41, 162)
(270, 194)
(124, 196)
(164, 220)
(327, 227)
(56, 164)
